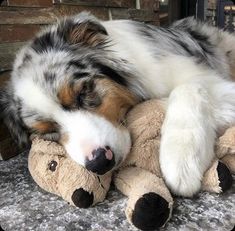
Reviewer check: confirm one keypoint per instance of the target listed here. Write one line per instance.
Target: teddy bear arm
(149, 201)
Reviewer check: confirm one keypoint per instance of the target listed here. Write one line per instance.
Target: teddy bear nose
(102, 161)
(82, 198)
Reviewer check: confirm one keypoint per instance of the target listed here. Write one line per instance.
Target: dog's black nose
(103, 161)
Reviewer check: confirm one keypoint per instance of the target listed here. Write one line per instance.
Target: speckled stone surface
(24, 206)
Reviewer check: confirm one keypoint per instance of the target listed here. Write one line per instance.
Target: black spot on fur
(82, 198)
(203, 41)
(80, 75)
(66, 107)
(151, 212)
(43, 43)
(77, 64)
(47, 42)
(225, 177)
(185, 47)
(49, 77)
(198, 36)
(110, 73)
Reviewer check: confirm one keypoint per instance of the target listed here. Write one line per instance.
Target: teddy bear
(139, 177)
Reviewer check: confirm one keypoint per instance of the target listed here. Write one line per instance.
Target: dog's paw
(151, 212)
(182, 163)
(183, 179)
(188, 137)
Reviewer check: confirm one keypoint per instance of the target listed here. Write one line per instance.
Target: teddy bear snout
(102, 161)
(82, 198)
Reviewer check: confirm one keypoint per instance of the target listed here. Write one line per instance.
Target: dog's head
(68, 86)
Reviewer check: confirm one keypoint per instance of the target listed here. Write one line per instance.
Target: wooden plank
(9, 15)
(7, 54)
(63, 10)
(102, 3)
(30, 3)
(139, 15)
(149, 5)
(17, 33)
(12, 15)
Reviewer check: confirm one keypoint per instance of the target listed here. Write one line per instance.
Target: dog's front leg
(188, 134)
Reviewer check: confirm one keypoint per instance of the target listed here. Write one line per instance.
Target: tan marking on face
(44, 127)
(66, 96)
(68, 93)
(116, 100)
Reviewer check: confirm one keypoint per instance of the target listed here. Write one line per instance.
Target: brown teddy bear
(139, 177)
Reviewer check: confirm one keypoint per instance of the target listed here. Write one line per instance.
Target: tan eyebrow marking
(116, 100)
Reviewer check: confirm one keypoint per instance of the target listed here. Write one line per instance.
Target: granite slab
(24, 206)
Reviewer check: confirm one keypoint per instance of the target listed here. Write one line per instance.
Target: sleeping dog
(76, 80)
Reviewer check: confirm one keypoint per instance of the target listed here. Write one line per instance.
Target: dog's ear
(87, 32)
(10, 114)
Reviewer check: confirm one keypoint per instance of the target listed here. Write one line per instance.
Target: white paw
(184, 157)
(187, 142)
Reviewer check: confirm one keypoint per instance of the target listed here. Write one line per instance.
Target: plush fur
(78, 78)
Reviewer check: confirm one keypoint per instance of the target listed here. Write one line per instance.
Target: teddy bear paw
(82, 198)
(225, 177)
(151, 211)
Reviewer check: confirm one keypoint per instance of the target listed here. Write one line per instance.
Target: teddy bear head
(55, 172)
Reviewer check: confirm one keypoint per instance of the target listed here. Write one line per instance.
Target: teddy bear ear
(87, 31)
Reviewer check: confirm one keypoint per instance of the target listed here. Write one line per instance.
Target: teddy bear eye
(52, 165)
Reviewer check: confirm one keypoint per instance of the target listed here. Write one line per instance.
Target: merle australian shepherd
(76, 80)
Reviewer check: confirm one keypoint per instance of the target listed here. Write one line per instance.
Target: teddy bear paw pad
(82, 198)
(151, 211)
(225, 177)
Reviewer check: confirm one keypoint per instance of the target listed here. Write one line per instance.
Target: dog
(77, 79)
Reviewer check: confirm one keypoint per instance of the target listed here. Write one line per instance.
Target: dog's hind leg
(196, 111)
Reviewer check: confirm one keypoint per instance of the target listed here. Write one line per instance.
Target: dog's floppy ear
(87, 31)
(10, 114)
